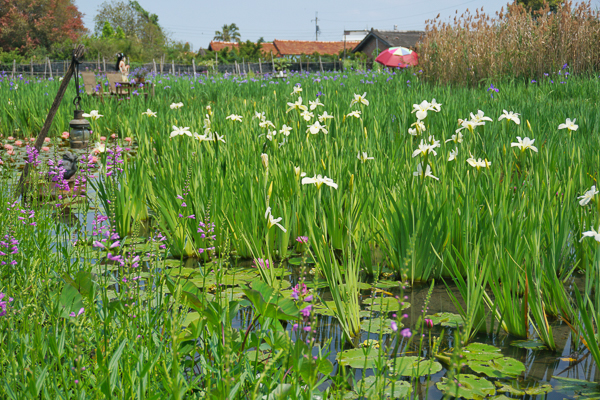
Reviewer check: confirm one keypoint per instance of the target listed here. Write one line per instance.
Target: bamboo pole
(77, 54)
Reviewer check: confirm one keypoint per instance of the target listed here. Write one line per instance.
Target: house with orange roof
(292, 48)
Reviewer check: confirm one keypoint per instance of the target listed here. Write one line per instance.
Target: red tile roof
(291, 47)
(297, 47)
(218, 46)
(267, 48)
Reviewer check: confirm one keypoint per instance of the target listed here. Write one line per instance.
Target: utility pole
(317, 30)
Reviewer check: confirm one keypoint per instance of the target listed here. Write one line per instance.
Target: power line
(406, 16)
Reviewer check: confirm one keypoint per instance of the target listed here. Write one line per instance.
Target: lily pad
(323, 310)
(360, 358)
(413, 366)
(317, 284)
(582, 389)
(371, 388)
(514, 389)
(377, 325)
(446, 319)
(183, 272)
(298, 261)
(482, 348)
(387, 284)
(529, 344)
(471, 387)
(497, 367)
(385, 304)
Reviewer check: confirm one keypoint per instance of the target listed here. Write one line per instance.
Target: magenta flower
(406, 333)
(428, 323)
(309, 298)
(394, 326)
(81, 310)
(306, 311)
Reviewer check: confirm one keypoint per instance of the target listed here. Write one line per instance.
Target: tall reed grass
(477, 47)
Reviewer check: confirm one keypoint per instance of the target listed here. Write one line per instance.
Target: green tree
(120, 34)
(107, 30)
(229, 33)
(250, 51)
(534, 5)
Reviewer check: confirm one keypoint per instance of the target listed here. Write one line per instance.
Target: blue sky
(196, 21)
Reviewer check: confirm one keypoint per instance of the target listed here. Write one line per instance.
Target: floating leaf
(531, 389)
(578, 386)
(387, 284)
(497, 367)
(323, 310)
(298, 261)
(446, 319)
(529, 344)
(360, 358)
(317, 284)
(183, 272)
(385, 304)
(373, 388)
(471, 387)
(414, 366)
(377, 325)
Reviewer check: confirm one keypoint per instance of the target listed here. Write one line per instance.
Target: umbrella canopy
(398, 57)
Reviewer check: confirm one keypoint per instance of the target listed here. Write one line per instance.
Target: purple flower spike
(306, 311)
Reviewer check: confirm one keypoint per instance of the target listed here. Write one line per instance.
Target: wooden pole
(104, 64)
(77, 53)
(49, 66)
(154, 66)
(14, 68)
(31, 67)
(235, 67)
(260, 66)
(320, 63)
(97, 62)
(194, 66)
(45, 69)
(272, 63)
(161, 64)
(301, 63)
(172, 67)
